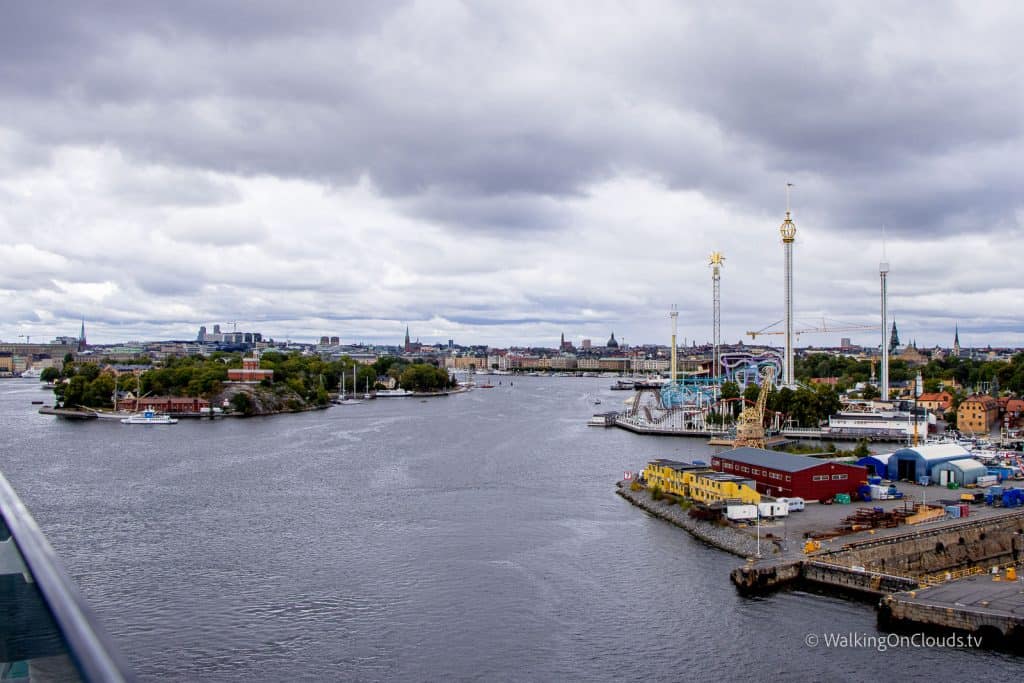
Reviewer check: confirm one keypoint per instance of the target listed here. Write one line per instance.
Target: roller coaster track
(720, 407)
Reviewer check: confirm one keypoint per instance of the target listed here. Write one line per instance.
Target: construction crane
(824, 327)
(26, 337)
(750, 424)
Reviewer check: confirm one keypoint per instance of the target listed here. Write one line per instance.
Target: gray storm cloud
(425, 151)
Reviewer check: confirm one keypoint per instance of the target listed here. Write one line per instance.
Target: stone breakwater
(724, 538)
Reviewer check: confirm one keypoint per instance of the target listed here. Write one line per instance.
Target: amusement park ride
(692, 406)
(750, 424)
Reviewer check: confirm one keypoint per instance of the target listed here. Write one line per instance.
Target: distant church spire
(408, 345)
(956, 340)
(81, 337)
(894, 338)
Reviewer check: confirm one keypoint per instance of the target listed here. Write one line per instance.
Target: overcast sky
(502, 172)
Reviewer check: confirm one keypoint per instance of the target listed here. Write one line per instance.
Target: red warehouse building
(787, 475)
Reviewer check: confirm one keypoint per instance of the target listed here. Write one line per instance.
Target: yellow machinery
(750, 424)
(811, 546)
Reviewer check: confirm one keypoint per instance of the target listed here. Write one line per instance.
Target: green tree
(50, 374)
(242, 403)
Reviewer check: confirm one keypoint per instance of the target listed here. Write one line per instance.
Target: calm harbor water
(469, 537)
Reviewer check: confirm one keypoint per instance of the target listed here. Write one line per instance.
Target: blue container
(874, 480)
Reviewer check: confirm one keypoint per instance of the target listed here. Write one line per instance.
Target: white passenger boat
(393, 393)
(148, 417)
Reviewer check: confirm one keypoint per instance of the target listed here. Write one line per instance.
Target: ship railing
(47, 631)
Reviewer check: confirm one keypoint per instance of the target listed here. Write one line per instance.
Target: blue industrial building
(915, 463)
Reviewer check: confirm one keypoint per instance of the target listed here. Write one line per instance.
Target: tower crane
(750, 424)
(823, 328)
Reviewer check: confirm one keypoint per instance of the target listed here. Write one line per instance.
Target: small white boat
(393, 393)
(341, 400)
(148, 417)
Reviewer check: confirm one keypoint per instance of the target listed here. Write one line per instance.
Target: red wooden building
(784, 474)
(171, 405)
(250, 372)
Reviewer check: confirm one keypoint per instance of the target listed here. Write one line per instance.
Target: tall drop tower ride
(716, 262)
(674, 314)
(788, 232)
(883, 272)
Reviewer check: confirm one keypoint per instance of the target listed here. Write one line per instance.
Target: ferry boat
(148, 417)
(393, 393)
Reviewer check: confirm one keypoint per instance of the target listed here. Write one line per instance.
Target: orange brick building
(977, 414)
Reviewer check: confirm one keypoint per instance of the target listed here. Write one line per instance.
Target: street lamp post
(758, 526)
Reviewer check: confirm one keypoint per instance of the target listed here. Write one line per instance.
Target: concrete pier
(992, 610)
(765, 577)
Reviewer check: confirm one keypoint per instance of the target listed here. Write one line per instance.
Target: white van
(793, 504)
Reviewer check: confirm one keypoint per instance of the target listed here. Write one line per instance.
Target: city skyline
(501, 175)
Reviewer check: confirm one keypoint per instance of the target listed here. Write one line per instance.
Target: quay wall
(978, 543)
(848, 579)
(722, 537)
(897, 611)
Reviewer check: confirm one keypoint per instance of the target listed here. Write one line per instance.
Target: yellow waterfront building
(699, 482)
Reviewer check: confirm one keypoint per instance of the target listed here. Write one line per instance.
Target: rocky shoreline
(722, 537)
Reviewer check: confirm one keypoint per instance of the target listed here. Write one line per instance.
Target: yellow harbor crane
(750, 424)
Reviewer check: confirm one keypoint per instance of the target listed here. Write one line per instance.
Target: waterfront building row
(700, 482)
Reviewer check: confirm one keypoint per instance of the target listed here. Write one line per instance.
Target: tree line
(88, 384)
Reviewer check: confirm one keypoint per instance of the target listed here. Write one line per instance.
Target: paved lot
(980, 593)
(817, 517)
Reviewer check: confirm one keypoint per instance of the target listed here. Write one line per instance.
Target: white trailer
(740, 513)
(773, 509)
